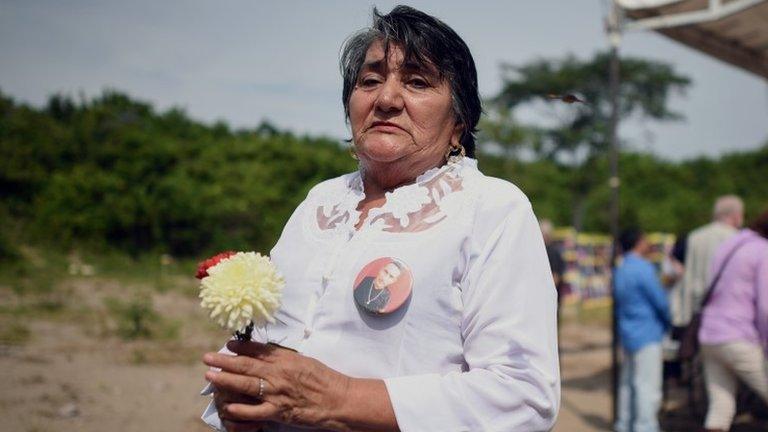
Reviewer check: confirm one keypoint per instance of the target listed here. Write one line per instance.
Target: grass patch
(159, 272)
(596, 311)
(107, 293)
(40, 270)
(35, 272)
(8, 251)
(168, 353)
(137, 319)
(45, 307)
(14, 333)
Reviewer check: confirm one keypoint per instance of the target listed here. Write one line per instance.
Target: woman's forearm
(365, 407)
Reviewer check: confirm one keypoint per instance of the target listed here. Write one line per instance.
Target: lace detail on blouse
(411, 208)
(335, 213)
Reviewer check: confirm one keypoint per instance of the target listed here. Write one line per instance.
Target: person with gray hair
(727, 218)
(734, 323)
(469, 343)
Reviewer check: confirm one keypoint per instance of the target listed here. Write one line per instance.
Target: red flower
(202, 269)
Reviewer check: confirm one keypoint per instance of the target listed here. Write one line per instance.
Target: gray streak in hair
(424, 40)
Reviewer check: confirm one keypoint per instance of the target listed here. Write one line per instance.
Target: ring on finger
(261, 388)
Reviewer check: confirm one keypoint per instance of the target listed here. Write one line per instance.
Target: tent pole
(614, 38)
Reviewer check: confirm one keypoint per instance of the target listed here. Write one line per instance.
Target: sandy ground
(585, 404)
(586, 383)
(67, 379)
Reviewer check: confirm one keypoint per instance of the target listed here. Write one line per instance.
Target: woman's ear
(458, 131)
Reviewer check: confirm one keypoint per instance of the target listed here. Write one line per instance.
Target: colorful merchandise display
(587, 259)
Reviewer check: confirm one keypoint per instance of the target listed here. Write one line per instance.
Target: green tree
(576, 134)
(113, 172)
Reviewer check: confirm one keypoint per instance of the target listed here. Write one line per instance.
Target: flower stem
(245, 335)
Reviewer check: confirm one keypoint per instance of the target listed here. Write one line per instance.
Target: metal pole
(614, 38)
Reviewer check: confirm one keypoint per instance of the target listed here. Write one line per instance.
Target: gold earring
(455, 153)
(352, 152)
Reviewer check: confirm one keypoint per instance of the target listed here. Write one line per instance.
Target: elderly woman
(470, 343)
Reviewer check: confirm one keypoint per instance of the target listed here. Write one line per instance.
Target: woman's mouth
(383, 126)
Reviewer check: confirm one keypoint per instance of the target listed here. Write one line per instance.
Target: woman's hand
(296, 389)
(222, 398)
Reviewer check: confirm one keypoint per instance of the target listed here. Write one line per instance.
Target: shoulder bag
(689, 342)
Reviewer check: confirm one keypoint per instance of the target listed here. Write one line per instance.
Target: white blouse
(474, 346)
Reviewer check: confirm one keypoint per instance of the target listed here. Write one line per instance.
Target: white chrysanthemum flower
(242, 288)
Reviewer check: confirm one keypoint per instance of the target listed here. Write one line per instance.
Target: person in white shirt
(468, 338)
(686, 298)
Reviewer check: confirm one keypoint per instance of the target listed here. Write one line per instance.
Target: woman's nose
(390, 96)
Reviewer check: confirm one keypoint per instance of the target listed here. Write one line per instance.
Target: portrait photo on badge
(383, 285)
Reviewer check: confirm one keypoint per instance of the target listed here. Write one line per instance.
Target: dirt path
(586, 383)
(63, 380)
(66, 379)
(585, 404)
(66, 382)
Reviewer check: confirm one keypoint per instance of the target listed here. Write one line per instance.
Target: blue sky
(244, 61)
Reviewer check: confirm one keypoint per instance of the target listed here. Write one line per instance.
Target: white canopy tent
(734, 31)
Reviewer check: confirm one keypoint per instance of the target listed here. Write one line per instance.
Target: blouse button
(307, 332)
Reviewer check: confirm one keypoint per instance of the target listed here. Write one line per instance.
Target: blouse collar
(356, 180)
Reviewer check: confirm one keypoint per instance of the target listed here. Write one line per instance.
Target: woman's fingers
(238, 426)
(287, 386)
(222, 398)
(250, 349)
(242, 365)
(246, 412)
(233, 382)
(227, 396)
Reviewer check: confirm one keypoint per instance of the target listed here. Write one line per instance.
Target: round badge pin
(383, 285)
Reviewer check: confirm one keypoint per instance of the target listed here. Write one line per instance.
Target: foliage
(576, 134)
(14, 333)
(8, 251)
(499, 127)
(137, 319)
(111, 172)
(645, 89)
(657, 195)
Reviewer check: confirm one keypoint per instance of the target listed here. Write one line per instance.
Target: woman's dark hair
(628, 239)
(760, 224)
(680, 247)
(425, 40)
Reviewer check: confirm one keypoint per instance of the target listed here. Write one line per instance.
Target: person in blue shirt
(642, 311)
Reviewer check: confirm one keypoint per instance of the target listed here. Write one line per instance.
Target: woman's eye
(369, 82)
(418, 83)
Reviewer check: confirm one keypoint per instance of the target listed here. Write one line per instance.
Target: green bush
(8, 250)
(137, 319)
(14, 333)
(112, 173)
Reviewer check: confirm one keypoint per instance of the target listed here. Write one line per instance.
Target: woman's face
(400, 111)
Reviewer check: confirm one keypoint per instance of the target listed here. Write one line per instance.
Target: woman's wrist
(336, 416)
(362, 405)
